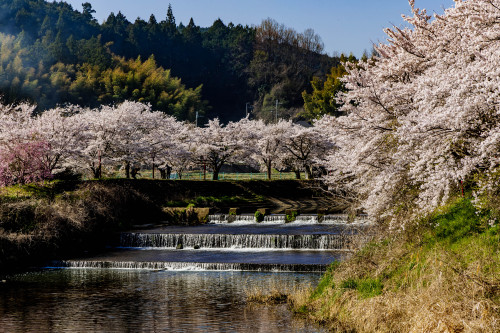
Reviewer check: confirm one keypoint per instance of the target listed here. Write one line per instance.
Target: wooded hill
(51, 53)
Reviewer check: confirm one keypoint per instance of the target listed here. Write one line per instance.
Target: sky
(345, 26)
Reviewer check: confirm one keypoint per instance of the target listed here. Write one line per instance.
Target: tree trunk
(163, 173)
(169, 171)
(269, 169)
(216, 173)
(96, 172)
(99, 175)
(127, 170)
(297, 174)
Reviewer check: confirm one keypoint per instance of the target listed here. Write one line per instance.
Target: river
(114, 300)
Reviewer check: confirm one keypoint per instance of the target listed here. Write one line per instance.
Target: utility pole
(247, 107)
(197, 116)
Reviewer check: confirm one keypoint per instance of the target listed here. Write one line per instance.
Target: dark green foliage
(53, 54)
(259, 217)
(98, 79)
(322, 99)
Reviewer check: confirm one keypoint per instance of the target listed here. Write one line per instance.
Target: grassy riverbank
(440, 275)
(65, 218)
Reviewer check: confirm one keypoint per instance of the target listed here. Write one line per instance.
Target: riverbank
(439, 275)
(65, 218)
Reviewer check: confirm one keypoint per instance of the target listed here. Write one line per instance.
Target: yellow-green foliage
(49, 83)
(441, 275)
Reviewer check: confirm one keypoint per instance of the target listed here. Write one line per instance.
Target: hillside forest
(53, 54)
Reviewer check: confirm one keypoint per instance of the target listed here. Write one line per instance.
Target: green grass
(450, 258)
(458, 220)
(46, 190)
(207, 201)
(197, 175)
(369, 287)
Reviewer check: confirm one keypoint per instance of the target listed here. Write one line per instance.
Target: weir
(233, 243)
(282, 219)
(306, 219)
(316, 242)
(275, 219)
(335, 218)
(248, 241)
(192, 266)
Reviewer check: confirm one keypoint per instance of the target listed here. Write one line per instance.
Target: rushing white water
(306, 219)
(275, 219)
(232, 243)
(234, 219)
(251, 241)
(281, 219)
(334, 219)
(190, 266)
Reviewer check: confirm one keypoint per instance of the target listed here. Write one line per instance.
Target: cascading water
(335, 218)
(236, 219)
(218, 218)
(282, 219)
(306, 219)
(244, 241)
(233, 242)
(275, 219)
(192, 266)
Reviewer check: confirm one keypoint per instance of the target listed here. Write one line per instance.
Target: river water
(114, 300)
(180, 279)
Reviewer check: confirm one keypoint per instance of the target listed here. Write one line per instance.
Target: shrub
(259, 217)
(291, 217)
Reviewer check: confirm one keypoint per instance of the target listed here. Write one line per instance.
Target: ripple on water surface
(146, 301)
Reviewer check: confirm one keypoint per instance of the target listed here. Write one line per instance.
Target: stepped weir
(306, 243)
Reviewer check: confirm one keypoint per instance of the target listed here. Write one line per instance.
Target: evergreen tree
(322, 100)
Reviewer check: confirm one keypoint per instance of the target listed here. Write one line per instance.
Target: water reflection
(144, 301)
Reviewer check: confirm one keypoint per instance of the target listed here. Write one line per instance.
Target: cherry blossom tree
(21, 149)
(63, 131)
(217, 144)
(161, 142)
(182, 156)
(268, 142)
(115, 136)
(423, 116)
(304, 148)
(15, 123)
(24, 163)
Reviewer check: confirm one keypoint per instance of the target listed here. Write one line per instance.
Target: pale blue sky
(344, 25)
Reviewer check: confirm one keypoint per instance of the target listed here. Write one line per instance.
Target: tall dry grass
(432, 278)
(42, 224)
